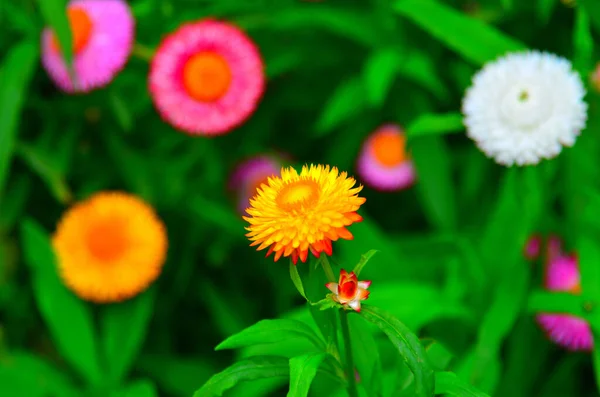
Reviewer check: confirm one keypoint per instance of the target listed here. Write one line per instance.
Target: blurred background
(450, 264)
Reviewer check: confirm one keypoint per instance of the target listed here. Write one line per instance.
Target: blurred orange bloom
(110, 247)
(295, 213)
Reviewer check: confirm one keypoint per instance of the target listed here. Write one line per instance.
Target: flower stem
(352, 390)
(143, 52)
(327, 268)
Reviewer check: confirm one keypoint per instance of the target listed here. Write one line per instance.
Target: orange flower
(110, 247)
(349, 291)
(295, 213)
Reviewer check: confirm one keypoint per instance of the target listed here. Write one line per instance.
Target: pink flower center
(81, 30)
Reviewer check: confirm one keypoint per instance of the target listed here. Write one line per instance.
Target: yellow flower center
(297, 194)
(107, 240)
(206, 76)
(81, 29)
(389, 148)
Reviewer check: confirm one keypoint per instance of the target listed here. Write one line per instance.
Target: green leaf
(364, 259)
(438, 355)
(435, 184)
(545, 8)
(297, 280)
(23, 374)
(379, 73)
(122, 112)
(556, 302)
(271, 331)
(17, 68)
(14, 204)
(55, 15)
(435, 124)
(449, 383)
(140, 388)
(124, 327)
(583, 42)
(593, 10)
(302, 372)
(177, 376)
(253, 368)
(588, 254)
(347, 101)
(68, 319)
(407, 344)
(43, 166)
(472, 38)
(420, 68)
(508, 4)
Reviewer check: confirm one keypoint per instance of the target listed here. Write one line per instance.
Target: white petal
(524, 107)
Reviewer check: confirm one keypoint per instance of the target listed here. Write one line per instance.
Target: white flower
(524, 107)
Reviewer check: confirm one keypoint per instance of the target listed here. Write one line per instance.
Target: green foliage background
(450, 263)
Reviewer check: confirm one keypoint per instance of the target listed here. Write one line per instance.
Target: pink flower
(566, 330)
(103, 35)
(250, 175)
(206, 78)
(533, 247)
(383, 162)
(349, 291)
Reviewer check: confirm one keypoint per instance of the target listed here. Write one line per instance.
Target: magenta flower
(206, 78)
(383, 162)
(566, 330)
(103, 34)
(249, 175)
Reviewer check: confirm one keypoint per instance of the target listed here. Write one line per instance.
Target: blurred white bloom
(524, 107)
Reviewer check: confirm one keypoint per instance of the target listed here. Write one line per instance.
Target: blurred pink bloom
(249, 175)
(533, 247)
(103, 34)
(383, 162)
(566, 330)
(206, 78)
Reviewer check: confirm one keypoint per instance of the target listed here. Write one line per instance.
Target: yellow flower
(110, 247)
(295, 213)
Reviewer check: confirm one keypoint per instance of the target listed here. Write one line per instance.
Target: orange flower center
(297, 194)
(206, 76)
(81, 29)
(107, 240)
(576, 289)
(389, 148)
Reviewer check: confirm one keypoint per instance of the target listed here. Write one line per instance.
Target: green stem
(327, 268)
(352, 390)
(142, 52)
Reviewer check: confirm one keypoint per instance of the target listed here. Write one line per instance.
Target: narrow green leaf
(23, 374)
(556, 302)
(347, 101)
(13, 205)
(122, 112)
(438, 355)
(583, 42)
(41, 164)
(253, 368)
(271, 331)
(472, 38)
(431, 157)
(544, 9)
(379, 73)
(17, 68)
(297, 280)
(593, 10)
(449, 383)
(419, 67)
(302, 372)
(68, 319)
(124, 327)
(55, 15)
(140, 388)
(364, 259)
(508, 4)
(407, 344)
(435, 124)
